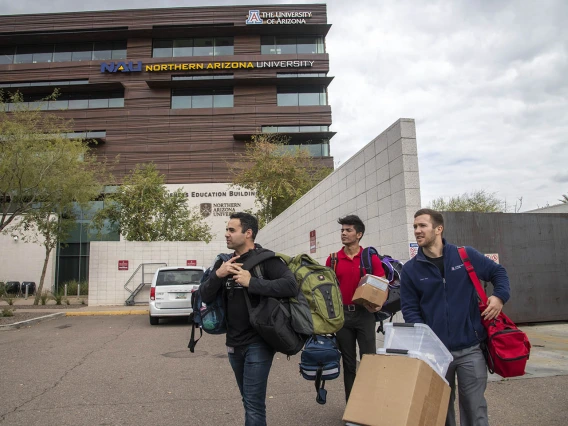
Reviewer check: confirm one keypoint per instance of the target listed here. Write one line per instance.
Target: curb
(17, 325)
(103, 313)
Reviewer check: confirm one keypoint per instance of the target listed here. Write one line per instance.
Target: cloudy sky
(486, 82)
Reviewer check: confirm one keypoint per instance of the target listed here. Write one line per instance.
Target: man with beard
(249, 355)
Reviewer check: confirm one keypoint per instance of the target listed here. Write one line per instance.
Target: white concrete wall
(380, 184)
(106, 282)
(20, 261)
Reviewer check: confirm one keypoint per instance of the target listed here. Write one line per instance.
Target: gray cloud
(486, 82)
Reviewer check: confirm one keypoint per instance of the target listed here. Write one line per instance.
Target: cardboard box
(373, 290)
(397, 390)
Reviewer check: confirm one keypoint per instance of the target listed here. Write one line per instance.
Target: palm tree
(564, 199)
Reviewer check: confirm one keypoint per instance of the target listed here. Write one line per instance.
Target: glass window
(224, 46)
(270, 129)
(78, 103)
(98, 103)
(119, 50)
(179, 101)
(82, 52)
(6, 55)
(309, 99)
(102, 51)
(289, 129)
(63, 53)
(308, 44)
(267, 45)
(183, 47)
(163, 49)
(116, 103)
(203, 47)
(43, 54)
(24, 54)
(41, 105)
(58, 104)
(311, 128)
(223, 100)
(202, 101)
(287, 99)
(285, 45)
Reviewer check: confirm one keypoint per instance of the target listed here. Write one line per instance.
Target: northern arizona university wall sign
(121, 66)
(256, 17)
(115, 67)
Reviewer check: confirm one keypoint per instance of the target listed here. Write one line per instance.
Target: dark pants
(251, 365)
(469, 365)
(359, 327)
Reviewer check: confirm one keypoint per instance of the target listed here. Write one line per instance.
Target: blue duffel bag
(320, 362)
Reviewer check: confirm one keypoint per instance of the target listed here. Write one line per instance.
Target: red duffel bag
(507, 348)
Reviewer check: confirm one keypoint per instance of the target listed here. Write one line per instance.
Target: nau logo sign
(121, 67)
(254, 17)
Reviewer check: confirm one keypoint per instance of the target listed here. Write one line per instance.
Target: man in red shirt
(359, 326)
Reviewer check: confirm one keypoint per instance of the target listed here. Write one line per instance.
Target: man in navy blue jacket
(436, 290)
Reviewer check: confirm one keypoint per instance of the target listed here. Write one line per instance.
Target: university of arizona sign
(277, 18)
(121, 66)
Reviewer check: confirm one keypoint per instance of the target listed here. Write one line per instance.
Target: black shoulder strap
(259, 257)
(192, 341)
(321, 396)
(333, 261)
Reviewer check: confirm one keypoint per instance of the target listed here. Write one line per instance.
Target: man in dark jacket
(249, 355)
(436, 290)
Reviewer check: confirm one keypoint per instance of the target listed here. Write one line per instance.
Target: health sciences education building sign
(215, 202)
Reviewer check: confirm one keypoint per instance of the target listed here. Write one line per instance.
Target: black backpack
(273, 318)
(210, 317)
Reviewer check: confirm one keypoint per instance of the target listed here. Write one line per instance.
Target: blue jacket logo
(121, 67)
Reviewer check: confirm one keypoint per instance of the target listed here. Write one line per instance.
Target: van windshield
(178, 277)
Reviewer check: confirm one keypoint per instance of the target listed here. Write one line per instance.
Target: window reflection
(204, 46)
(202, 98)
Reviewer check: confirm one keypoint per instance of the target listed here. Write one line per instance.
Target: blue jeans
(251, 365)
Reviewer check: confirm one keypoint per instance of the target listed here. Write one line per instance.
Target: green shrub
(72, 288)
(57, 297)
(82, 301)
(67, 302)
(44, 296)
(2, 288)
(7, 313)
(10, 301)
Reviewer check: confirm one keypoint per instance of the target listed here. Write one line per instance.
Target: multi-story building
(184, 88)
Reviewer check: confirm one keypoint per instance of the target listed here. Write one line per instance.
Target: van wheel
(154, 320)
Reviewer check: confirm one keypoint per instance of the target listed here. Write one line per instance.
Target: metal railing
(133, 293)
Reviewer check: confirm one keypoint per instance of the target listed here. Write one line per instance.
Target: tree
(33, 156)
(564, 199)
(43, 175)
(476, 201)
(277, 174)
(143, 210)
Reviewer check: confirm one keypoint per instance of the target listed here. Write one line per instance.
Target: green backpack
(320, 287)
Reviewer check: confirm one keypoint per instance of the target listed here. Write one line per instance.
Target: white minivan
(170, 294)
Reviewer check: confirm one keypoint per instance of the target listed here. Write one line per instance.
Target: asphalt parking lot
(119, 370)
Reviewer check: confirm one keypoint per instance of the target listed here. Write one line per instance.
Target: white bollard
(27, 288)
(78, 289)
(65, 290)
